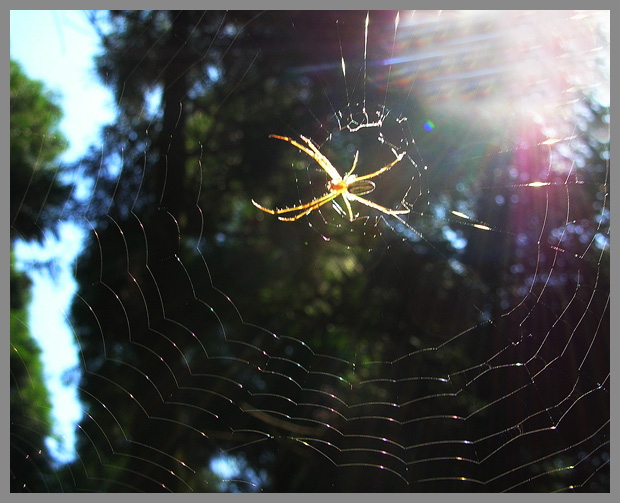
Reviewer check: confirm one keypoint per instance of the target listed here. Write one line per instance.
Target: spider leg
(313, 152)
(376, 206)
(317, 203)
(357, 154)
(348, 205)
(322, 160)
(308, 206)
(383, 169)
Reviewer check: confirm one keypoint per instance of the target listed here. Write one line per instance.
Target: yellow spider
(349, 186)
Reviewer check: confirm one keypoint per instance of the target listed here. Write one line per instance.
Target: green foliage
(28, 391)
(29, 403)
(35, 143)
(37, 200)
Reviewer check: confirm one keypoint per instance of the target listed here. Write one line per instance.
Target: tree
(173, 52)
(37, 194)
(37, 197)
(31, 467)
(173, 375)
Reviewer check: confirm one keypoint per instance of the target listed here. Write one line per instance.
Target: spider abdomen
(361, 187)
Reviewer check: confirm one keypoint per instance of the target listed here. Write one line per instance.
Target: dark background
(326, 355)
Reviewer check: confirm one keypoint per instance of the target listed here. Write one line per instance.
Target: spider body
(357, 187)
(349, 186)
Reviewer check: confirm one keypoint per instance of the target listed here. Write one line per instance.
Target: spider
(349, 186)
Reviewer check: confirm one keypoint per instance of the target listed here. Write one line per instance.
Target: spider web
(463, 346)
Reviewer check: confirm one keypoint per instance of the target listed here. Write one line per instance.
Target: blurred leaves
(197, 313)
(37, 194)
